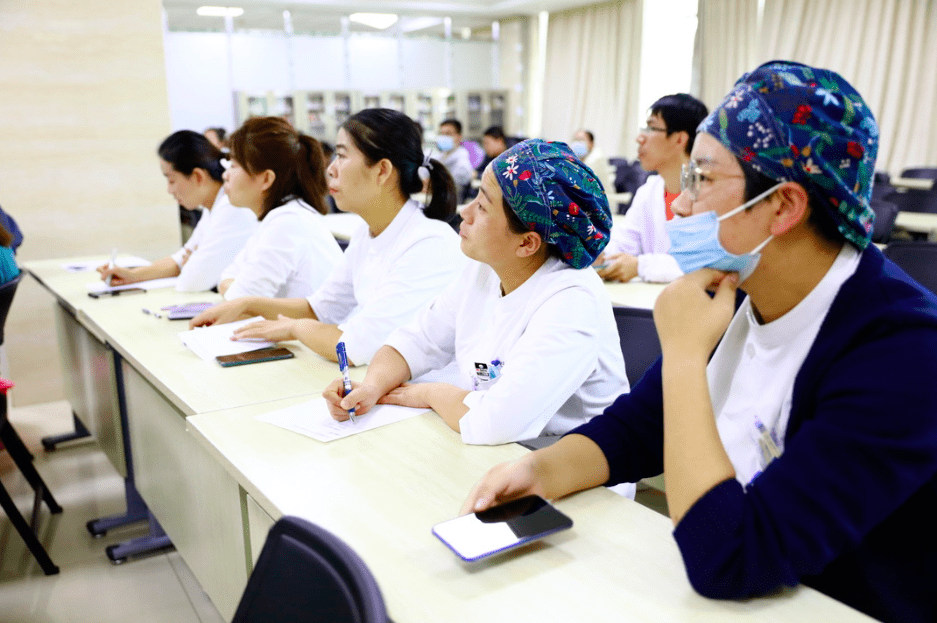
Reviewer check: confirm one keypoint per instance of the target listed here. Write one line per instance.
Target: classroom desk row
(216, 479)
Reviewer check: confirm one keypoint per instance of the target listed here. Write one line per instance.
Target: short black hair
(186, 151)
(590, 135)
(820, 217)
(454, 123)
(681, 112)
(496, 132)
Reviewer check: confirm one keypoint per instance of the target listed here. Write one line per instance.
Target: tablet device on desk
(254, 356)
(498, 529)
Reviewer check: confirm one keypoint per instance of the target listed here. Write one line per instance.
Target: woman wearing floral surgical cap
(797, 430)
(531, 332)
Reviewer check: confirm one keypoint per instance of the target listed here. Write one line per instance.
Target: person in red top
(639, 244)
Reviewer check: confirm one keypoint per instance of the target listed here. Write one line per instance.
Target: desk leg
(136, 511)
(80, 432)
(155, 540)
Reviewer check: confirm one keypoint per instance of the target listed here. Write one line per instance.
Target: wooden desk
(386, 488)
(912, 182)
(343, 224)
(634, 293)
(920, 222)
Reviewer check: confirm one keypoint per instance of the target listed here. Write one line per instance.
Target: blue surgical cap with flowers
(798, 123)
(554, 194)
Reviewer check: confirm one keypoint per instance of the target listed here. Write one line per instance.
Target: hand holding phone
(501, 528)
(254, 356)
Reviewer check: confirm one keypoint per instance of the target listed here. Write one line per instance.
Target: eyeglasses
(692, 177)
(649, 129)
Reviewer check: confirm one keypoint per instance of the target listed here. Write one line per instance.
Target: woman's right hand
(119, 276)
(505, 482)
(362, 397)
(229, 311)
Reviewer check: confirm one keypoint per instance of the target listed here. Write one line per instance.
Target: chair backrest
(918, 259)
(921, 173)
(305, 574)
(885, 214)
(639, 342)
(7, 291)
(913, 200)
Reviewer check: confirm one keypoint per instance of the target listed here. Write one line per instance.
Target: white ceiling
(324, 16)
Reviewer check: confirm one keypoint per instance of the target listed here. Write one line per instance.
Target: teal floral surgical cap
(554, 194)
(797, 123)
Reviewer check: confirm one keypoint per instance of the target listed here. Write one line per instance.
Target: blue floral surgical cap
(797, 123)
(554, 194)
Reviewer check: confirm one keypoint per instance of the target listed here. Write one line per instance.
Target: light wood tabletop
(382, 491)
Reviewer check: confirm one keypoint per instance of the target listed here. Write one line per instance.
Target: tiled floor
(89, 588)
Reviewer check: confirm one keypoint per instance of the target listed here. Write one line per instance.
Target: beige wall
(83, 106)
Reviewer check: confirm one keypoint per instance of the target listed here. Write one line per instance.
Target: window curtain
(592, 72)
(725, 46)
(885, 48)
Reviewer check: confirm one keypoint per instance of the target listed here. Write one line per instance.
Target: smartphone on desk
(255, 356)
(501, 528)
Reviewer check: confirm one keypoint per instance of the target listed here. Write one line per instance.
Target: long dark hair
(381, 133)
(6, 238)
(296, 160)
(186, 151)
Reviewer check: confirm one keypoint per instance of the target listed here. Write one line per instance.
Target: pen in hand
(111, 266)
(343, 366)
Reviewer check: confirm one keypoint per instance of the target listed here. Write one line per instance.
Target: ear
(385, 171)
(199, 175)
(792, 207)
(266, 179)
(531, 242)
(681, 139)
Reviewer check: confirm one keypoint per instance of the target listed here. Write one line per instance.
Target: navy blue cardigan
(850, 508)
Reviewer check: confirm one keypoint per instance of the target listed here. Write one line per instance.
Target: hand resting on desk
(229, 311)
(119, 275)
(278, 330)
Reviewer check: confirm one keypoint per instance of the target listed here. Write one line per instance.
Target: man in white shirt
(453, 154)
(639, 243)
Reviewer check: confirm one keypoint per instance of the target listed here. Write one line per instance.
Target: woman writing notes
(532, 333)
(278, 173)
(395, 264)
(193, 170)
(805, 449)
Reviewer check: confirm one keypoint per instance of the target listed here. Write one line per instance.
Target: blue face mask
(579, 148)
(444, 142)
(694, 242)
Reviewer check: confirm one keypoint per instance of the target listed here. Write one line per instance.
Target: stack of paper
(214, 341)
(312, 419)
(152, 284)
(123, 262)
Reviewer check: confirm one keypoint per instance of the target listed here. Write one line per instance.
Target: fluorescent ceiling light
(219, 11)
(412, 24)
(374, 20)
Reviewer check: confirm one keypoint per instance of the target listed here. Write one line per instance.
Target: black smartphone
(97, 295)
(500, 528)
(255, 356)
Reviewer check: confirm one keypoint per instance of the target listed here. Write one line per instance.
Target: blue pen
(343, 366)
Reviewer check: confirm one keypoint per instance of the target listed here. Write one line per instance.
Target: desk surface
(634, 293)
(343, 224)
(153, 347)
(917, 221)
(386, 488)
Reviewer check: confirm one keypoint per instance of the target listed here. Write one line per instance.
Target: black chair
(920, 173)
(24, 461)
(629, 176)
(885, 215)
(639, 342)
(307, 575)
(913, 200)
(918, 259)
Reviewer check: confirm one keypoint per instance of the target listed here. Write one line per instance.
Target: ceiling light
(374, 20)
(219, 11)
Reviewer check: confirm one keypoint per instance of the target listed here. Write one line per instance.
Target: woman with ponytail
(400, 259)
(278, 173)
(193, 171)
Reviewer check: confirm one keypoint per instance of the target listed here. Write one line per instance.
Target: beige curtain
(887, 49)
(726, 46)
(592, 74)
